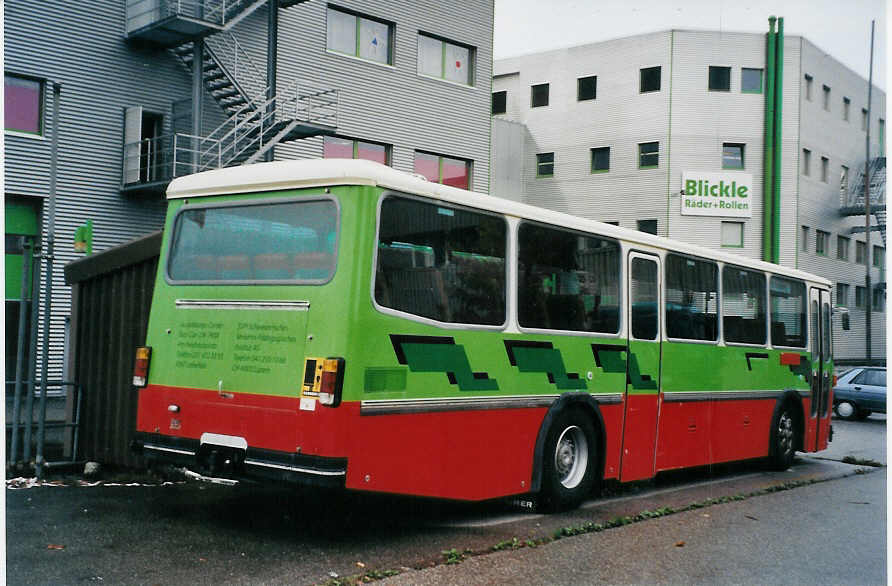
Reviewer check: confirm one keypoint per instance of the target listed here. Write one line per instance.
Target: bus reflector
(141, 366)
(332, 382)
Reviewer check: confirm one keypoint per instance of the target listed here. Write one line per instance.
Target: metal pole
(197, 95)
(27, 248)
(272, 40)
(50, 240)
(32, 352)
(868, 293)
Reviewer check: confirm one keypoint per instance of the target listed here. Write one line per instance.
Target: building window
(843, 184)
(732, 234)
(732, 155)
(445, 59)
(826, 103)
(860, 297)
(825, 169)
(846, 106)
(842, 295)
(545, 165)
(650, 79)
(334, 147)
(499, 102)
(586, 88)
(539, 95)
(809, 82)
(22, 104)
(860, 253)
(719, 79)
(879, 257)
(864, 119)
(751, 81)
(822, 242)
(806, 162)
(804, 234)
(600, 159)
(359, 36)
(842, 248)
(445, 170)
(648, 155)
(879, 300)
(647, 226)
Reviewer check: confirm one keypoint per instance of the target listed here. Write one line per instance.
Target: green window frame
(545, 165)
(441, 58)
(648, 155)
(600, 159)
(363, 40)
(650, 79)
(750, 80)
(586, 88)
(719, 78)
(733, 155)
(732, 234)
(539, 95)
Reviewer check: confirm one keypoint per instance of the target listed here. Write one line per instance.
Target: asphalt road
(195, 533)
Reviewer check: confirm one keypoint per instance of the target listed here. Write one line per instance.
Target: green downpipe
(778, 143)
(768, 182)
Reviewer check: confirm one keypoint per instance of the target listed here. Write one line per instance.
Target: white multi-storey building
(618, 130)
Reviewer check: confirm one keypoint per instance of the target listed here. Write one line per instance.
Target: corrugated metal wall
(112, 294)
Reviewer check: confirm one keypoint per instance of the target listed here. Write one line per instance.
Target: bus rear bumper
(241, 464)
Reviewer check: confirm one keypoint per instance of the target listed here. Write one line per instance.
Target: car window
(861, 378)
(876, 377)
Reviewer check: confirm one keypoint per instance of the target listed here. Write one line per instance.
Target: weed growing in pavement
(861, 462)
(453, 556)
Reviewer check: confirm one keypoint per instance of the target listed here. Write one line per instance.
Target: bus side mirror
(844, 316)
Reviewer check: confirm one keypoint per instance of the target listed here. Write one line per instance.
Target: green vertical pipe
(778, 144)
(768, 182)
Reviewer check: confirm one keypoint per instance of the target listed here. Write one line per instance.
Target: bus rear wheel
(570, 461)
(783, 439)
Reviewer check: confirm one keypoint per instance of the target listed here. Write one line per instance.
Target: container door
(642, 400)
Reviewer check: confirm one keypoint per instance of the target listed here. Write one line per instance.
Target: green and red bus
(344, 324)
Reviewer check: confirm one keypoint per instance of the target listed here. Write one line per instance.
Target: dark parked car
(860, 392)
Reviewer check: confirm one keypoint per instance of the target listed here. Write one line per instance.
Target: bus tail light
(141, 366)
(332, 382)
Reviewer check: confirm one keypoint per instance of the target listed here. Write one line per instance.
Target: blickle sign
(716, 194)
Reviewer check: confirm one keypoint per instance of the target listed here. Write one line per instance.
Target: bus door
(642, 397)
(818, 427)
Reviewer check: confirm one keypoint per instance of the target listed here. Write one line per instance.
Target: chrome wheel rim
(571, 457)
(785, 434)
(845, 409)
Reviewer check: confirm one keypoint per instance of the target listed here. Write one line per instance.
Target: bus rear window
(441, 262)
(293, 241)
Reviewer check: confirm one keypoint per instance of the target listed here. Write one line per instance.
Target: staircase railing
(234, 59)
(160, 159)
(222, 13)
(251, 126)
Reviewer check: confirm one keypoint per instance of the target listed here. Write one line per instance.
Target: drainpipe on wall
(768, 180)
(778, 140)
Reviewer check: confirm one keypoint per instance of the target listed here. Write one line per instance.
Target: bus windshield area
(293, 241)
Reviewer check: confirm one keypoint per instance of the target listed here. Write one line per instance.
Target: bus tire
(570, 461)
(783, 437)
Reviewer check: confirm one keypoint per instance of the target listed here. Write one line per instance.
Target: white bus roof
(299, 174)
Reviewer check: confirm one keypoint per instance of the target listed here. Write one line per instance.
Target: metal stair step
(222, 95)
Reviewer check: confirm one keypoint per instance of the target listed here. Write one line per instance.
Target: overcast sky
(839, 27)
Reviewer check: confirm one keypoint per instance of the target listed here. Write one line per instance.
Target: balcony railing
(155, 161)
(219, 13)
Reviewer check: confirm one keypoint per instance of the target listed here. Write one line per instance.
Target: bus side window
(788, 313)
(743, 305)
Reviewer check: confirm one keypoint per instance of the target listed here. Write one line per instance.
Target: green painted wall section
(20, 219)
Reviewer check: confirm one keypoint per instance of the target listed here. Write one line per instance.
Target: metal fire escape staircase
(254, 123)
(854, 204)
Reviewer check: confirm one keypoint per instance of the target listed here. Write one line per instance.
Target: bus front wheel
(570, 461)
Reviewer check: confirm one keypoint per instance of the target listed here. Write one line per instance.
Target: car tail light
(835, 380)
(141, 366)
(332, 382)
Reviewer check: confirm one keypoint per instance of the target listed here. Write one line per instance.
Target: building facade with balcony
(618, 130)
(405, 84)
